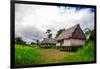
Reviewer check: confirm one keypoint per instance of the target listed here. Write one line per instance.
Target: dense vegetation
(25, 55)
(83, 55)
(18, 40)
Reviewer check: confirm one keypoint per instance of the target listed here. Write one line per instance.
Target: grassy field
(52, 55)
(26, 55)
(36, 55)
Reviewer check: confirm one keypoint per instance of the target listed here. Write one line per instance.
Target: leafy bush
(84, 54)
(25, 55)
(54, 46)
(18, 40)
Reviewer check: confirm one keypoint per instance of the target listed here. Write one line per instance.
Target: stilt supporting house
(71, 39)
(69, 49)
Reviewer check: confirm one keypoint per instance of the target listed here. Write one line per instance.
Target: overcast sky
(32, 21)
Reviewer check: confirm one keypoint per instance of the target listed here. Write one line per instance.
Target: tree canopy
(18, 40)
(92, 35)
(49, 33)
(59, 32)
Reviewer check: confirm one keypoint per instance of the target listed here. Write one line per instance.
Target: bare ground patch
(53, 55)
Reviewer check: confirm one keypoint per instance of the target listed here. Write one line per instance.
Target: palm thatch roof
(72, 32)
(49, 40)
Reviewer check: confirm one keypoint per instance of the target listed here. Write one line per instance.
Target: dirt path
(52, 55)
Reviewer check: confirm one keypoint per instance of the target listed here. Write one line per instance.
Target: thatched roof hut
(72, 32)
(71, 38)
(49, 40)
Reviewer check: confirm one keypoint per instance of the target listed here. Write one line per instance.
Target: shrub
(25, 55)
(18, 40)
(83, 55)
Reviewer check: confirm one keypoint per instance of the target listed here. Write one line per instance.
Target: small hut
(71, 39)
(48, 42)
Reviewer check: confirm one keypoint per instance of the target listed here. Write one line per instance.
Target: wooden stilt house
(71, 39)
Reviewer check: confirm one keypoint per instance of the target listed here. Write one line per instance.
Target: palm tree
(37, 41)
(49, 33)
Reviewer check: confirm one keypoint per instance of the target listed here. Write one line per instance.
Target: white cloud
(32, 21)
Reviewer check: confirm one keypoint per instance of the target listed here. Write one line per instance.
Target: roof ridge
(73, 26)
(75, 29)
(70, 30)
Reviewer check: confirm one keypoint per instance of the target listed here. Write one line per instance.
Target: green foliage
(87, 32)
(53, 46)
(92, 35)
(37, 42)
(18, 40)
(88, 48)
(25, 55)
(48, 30)
(49, 33)
(33, 43)
(84, 54)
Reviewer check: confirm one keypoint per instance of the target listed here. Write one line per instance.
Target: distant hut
(48, 42)
(71, 39)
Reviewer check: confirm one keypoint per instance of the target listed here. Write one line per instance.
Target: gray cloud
(32, 21)
(31, 33)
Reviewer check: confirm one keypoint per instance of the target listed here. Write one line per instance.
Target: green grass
(31, 55)
(83, 55)
(25, 55)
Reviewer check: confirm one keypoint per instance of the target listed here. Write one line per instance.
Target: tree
(37, 41)
(87, 32)
(33, 43)
(49, 33)
(18, 40)
(59, 32)
(92, 35)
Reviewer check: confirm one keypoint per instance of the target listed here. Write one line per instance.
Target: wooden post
(66, 48)
(69, 49)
